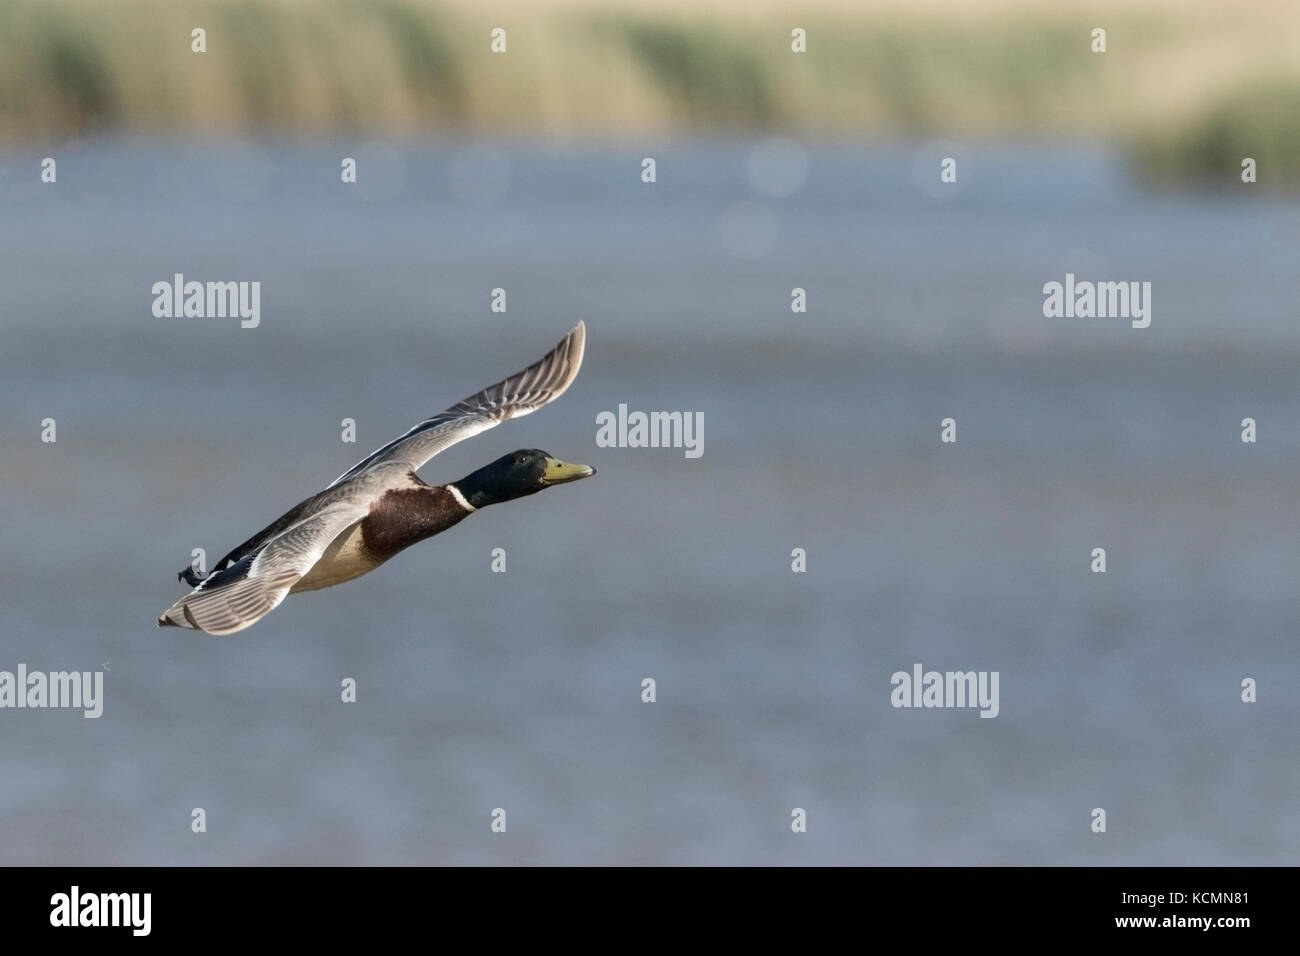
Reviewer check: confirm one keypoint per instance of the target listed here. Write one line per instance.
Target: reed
(1179, 84)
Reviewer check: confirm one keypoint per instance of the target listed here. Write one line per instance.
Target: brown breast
(402, 517)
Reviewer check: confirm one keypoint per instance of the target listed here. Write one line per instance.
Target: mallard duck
(378, 507)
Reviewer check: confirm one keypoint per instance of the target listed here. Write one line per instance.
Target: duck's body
(379, 507)
(398, 518)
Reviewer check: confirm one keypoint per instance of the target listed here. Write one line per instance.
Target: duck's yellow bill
(558, 472)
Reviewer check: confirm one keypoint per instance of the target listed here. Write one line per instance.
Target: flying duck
(379, 507)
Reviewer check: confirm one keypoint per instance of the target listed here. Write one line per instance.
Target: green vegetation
(1179, 83)
(710, 76)
(1262, 122)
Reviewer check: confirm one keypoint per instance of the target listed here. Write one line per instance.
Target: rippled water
(522, 691)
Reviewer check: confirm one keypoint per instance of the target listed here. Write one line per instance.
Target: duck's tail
(178, 615)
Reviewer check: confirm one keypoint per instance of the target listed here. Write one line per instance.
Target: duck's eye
(521, 460)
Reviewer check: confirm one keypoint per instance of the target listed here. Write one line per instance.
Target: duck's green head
(520, 473)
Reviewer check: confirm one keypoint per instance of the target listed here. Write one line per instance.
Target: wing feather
(245, 592)
(522, 393)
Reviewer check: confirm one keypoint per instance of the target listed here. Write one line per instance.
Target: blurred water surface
(522, 691)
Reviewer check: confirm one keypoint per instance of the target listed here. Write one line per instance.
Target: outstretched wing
(277, 527)
(541, 383)
(242, 594)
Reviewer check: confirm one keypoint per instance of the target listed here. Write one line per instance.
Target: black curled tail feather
(190, 576)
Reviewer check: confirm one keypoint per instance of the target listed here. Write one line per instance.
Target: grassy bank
(1261, 120)
(1173, 82)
